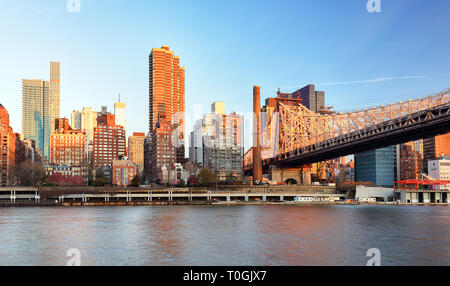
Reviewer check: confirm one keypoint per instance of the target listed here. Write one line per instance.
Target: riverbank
(219, 203)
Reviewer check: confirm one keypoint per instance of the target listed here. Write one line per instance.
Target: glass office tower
(377, 166)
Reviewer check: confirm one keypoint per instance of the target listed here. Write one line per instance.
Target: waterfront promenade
(142, 196)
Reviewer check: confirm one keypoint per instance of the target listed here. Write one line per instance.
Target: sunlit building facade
(136, 149)
(67, 146)
(55, 93)
(109, 141)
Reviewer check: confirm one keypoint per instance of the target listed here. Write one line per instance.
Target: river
(226, 235)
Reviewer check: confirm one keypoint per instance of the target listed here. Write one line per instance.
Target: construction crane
(427, 177)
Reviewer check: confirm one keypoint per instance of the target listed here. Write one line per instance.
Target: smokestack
(257, 163)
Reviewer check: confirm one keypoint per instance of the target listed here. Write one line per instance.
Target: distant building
(7, 149)
(440, 170)
(136, 150)
(109, 141)
(148, 157)
(411, 162)
(196, 144)
(166, 86)
(166, 94)
(67, 146)
(85, 120)
(377, 166)
(217, 143)
(312, 99)
(123, 171)
(162, 151)
(121, 117)
(218, 107)
(55, 97)
(435, 148)
(36, 113)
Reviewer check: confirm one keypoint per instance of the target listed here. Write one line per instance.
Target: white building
(440, 170)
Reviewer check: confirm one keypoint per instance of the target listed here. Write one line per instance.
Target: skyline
(103, 52)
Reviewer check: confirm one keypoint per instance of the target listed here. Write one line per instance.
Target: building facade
(7, 149)
(435, 148)
(440, 170)
(162, 151)
(166, 86)
(217, 143)
(136, 150)
(55, 94)
(85, 120)
(312, 99)
(36, 113)
(411, 162)
(68, 146)
(123, 171)
(119, 112)
(377, 166)
(109, 141)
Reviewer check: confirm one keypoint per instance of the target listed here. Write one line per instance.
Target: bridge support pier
(298, 176)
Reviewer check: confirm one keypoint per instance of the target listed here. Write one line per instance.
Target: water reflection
(226, 235)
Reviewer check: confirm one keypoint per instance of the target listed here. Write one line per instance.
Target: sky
(359, 59)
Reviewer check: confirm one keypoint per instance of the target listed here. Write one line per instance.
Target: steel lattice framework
(300, 127)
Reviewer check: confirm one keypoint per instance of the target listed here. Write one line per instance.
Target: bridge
(306, 137)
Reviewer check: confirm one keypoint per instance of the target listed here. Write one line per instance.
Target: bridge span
(307, 137)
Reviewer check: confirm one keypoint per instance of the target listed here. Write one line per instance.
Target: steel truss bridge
(306, 137)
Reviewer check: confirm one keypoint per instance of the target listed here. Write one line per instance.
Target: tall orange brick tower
(166, 85)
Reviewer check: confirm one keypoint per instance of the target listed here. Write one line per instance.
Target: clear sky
(359, 59)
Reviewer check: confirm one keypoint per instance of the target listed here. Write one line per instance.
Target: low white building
(370, 194)
(440, 170)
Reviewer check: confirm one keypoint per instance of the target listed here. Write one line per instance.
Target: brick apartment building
(67, 146)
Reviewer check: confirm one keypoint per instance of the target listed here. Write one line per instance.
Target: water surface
(226, 235)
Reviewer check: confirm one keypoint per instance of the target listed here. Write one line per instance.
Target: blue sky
(359, 59)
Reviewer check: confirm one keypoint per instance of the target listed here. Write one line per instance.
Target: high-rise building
(435, 148)
(36, 113)
(148, 157)
(217, 143)
(7, 149)
(377, 166)
(313, 99)
(85, 120)
(109, 141)
(218, 107)
(67, 146)
(196, 144)
(411, 162)
(166, 100)
(166, 87)
(136, 149)
(119, 111)
(55, 96)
